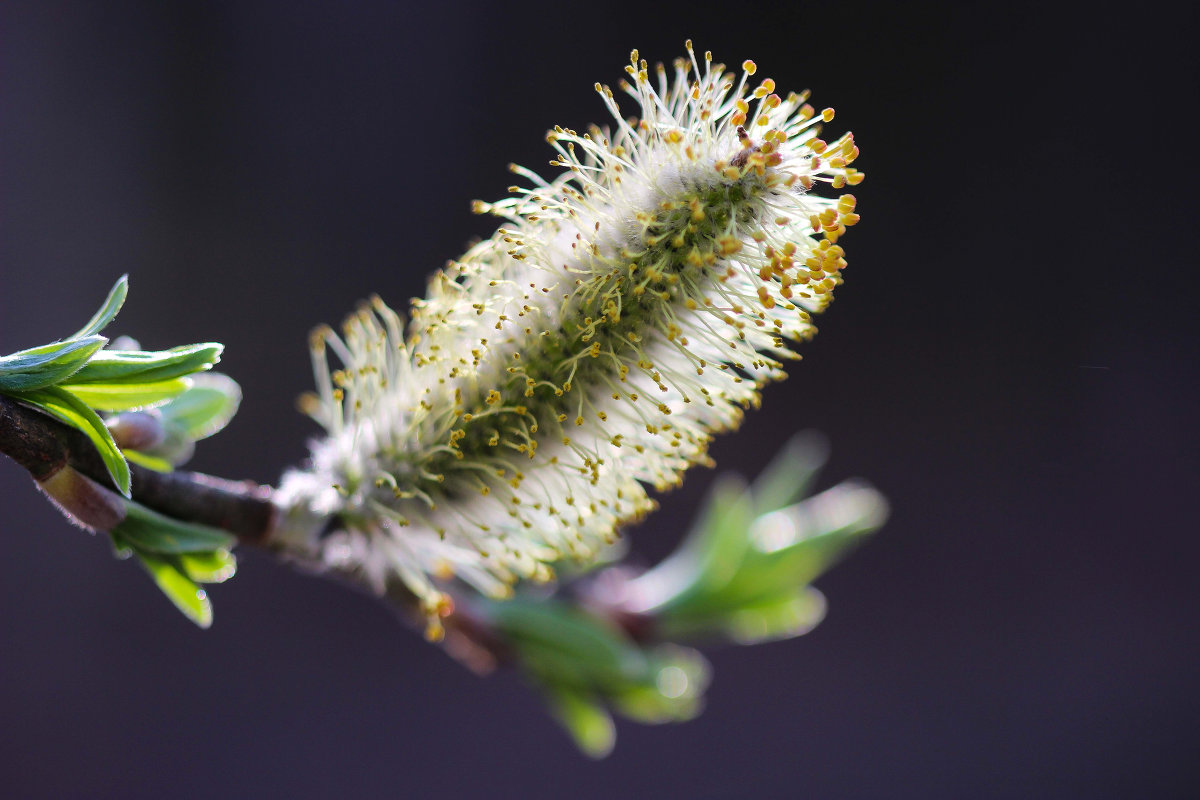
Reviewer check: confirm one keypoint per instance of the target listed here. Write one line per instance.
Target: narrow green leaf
(791, 473)
(175, 449)
(205, 408)
(153, 532)
(149, 462)
(112, 304)
(179, 588)
(806, 539)
(711, 555)
(645, 704)
(47, 365)
(64, 406)
(724, 543)
(212, 566)
(126, 396)
(715, 514)
(121, 548)
(140, 366)
(788, 549)
(589, 724)
(554, 633)
(794, 614)
(673, 689)
(563, 668)
(710, 550)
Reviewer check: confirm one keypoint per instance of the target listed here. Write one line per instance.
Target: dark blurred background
(1013, 361)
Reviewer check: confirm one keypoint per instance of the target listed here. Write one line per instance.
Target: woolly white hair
(624, 312)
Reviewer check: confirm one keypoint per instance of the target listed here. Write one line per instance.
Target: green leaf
(121, 548)
(126, 396)
(724, 542)
(791, 473)
(805, 540)
(178, 575)
(788, 549)
(112, 304)
(140, 366)
(711, 554)
(782, 618)
(550, 665)
(213, 566)
(153, 532)
(148, 461)
(717, 513)
(557, 640)
(205, 408)
(673, 688)
(47, 365)
(65, 407)
(178, 587)
(589, 724)
(175, 449)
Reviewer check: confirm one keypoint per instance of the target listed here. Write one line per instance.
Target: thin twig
(43, 446)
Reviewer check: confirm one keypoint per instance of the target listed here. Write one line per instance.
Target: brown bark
(43, 445)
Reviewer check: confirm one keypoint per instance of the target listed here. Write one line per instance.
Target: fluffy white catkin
(624, 313)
